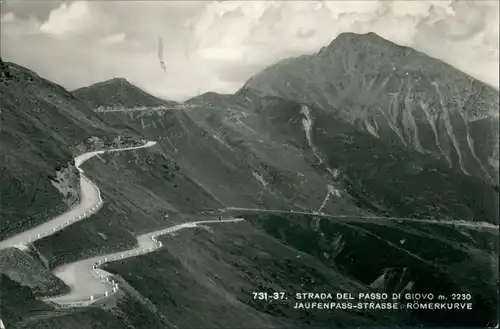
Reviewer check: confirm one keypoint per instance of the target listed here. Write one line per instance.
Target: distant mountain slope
(208, 98)
(226, 164)
(245, 170)
(396, 94)
(384, 178)
(119, 92)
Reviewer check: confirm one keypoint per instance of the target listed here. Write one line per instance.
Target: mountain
(209, 98)
(367, 208)
(398, 95)
(119, 92)
(282, 154)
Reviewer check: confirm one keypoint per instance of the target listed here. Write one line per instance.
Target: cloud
(305, 33)
(113, 38)
(15, 28)
(218, 45)
(223, 53)
(8, 17)
(69, 19)
(38, 10)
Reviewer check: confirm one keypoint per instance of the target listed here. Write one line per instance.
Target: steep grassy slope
(39, 123)
(235, 174)
(216, 270)
(396, 94)
(41, 126)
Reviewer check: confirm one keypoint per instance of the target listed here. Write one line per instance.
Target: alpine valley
(365, 168)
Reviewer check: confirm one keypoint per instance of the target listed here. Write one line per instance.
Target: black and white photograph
(249, 164)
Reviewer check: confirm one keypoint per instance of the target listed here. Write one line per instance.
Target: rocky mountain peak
(395, 93)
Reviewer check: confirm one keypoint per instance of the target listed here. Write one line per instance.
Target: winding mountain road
(90, 202)
(87, 282)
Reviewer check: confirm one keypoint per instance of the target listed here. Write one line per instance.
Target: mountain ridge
(119, 93)
(394, 93)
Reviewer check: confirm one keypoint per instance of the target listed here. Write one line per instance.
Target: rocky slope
(398, 95)
(377, 176)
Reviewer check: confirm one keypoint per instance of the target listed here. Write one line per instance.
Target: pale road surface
(86, 281)
(416, 220)
(90, 201)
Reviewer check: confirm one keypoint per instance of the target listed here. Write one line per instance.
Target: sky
(218, 45)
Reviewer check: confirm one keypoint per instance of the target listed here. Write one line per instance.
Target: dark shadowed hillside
(21, 310)
(18, 302)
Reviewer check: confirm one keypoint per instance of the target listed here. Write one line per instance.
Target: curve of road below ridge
(90, 202)
(89, 283)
